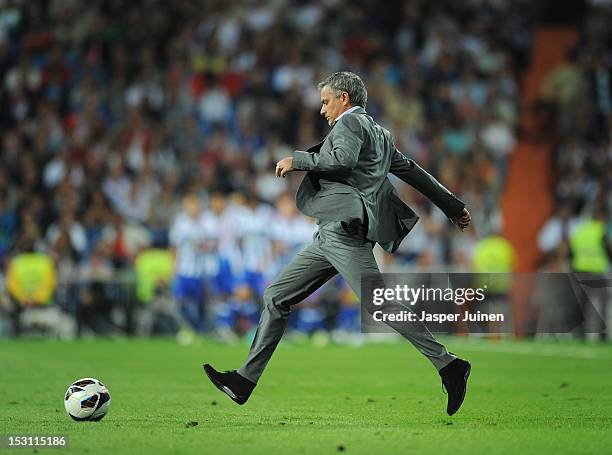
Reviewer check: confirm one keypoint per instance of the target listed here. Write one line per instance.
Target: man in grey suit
(347, 190)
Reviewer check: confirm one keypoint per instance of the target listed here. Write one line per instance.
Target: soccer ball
(87, 399)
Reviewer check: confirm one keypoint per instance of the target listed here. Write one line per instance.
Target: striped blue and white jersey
(188, 236)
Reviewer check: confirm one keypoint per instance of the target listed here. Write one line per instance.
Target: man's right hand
(462, 221)
(284, 166)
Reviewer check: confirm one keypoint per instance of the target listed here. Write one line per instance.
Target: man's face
(217, 203)
(191, 205)
(332, 106)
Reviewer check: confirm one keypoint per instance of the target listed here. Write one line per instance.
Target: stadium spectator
(31, 282)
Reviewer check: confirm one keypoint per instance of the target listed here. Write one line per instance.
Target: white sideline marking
(544, 351)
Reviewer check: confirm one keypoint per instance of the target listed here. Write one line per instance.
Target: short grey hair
(345, 81)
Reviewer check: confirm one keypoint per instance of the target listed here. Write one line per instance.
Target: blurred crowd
(112, 112)
(577, 99)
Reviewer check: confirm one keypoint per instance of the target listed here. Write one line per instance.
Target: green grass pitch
(524, 397)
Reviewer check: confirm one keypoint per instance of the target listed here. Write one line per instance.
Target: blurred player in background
(189, 242)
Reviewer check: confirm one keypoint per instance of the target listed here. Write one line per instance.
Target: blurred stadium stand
(112, 111)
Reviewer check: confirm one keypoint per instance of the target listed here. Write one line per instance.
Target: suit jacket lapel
(315, 148)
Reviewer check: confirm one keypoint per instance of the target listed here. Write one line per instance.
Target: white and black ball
(87, 400)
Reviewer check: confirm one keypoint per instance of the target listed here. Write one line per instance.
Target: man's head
(191, 205)
(217, 202)
(340, 92)
(285, 205)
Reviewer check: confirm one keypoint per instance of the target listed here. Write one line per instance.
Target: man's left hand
(284, 166)
(463, 219)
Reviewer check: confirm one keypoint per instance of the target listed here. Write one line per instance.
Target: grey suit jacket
(347, 181)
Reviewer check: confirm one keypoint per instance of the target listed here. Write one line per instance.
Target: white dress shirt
(347, 112)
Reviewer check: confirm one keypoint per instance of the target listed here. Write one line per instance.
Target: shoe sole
(465, 379)
(223, 388)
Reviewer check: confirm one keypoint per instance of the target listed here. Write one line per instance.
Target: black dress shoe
(454, 380)
(237, 387)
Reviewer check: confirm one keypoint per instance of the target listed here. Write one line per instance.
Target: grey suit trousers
(333, 251)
